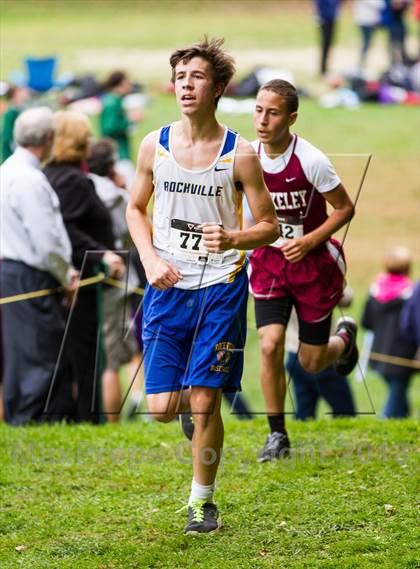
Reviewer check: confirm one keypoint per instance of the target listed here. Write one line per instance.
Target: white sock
(201, 492)
(137, 397)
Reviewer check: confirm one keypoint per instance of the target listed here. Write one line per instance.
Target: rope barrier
(404, 362)
(48, 291)
(84, 282)
(119, 284)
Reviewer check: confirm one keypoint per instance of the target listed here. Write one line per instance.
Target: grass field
(106, 497)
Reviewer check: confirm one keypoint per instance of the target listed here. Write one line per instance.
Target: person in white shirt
(36, 255)
(367, 15)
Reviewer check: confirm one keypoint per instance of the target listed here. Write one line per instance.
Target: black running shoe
(132, 410)
(187, 424)
(203, 517)
(349, 358)
(276, 446)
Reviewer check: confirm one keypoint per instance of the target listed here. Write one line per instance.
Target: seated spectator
(36, 255)
(120, 343)
(89, 226)
(387, 297)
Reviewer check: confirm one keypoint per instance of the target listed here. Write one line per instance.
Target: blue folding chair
(41, 73)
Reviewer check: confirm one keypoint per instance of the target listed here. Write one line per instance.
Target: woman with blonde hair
(89, 226)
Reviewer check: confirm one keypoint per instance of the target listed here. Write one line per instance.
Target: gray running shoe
(276, 446)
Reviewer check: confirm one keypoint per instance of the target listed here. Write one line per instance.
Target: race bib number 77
(186, 241)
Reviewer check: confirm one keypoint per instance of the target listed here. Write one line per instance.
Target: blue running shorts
(195, 337)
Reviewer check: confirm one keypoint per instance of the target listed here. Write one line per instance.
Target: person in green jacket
(114, 122)
(16, 99)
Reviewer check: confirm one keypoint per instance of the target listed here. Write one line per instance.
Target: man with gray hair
(36, 255)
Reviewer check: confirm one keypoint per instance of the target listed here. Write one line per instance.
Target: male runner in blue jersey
(194, 323)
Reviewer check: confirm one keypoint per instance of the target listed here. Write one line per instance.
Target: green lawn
(107, 497)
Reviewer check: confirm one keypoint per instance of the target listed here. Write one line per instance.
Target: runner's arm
(248, 174)
(160, 274)
(343, 211)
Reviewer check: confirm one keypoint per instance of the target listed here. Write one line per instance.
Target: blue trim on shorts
(195, 337)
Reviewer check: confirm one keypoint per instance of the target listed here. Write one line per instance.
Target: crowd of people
(369, 16)
(76, 244)
(56, 232)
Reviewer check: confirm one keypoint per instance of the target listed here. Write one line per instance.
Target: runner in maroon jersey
(305, 266)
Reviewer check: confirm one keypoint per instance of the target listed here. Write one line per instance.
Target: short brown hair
(222, 64)
(398, 260)
(102, 156)
(71, 140)
(114, 79)
(285, 90)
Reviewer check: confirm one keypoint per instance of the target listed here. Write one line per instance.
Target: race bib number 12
(290, 228)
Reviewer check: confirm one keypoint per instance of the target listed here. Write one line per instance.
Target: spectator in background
(309, 388)
(367, 15)
(89, 226)
(381, 315)
(16, 98)
(410, 317)
(120, 343)
(114, 121)
(36, 255)
(396, 11)
(327, 12)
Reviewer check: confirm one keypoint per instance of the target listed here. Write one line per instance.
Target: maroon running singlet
(317, 281)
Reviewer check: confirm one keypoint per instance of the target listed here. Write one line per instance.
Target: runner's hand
(160, 274)
(296, 249)
(215, 238)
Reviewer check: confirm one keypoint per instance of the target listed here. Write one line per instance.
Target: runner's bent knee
(162, 406)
